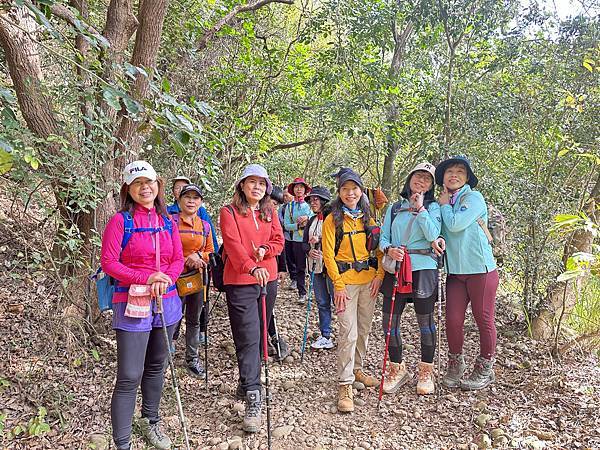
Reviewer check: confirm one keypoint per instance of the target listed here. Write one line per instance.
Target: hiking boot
(482, 375)
(293, 285)
(301, 299)
(345, 398)
(425, 384)
(322, 342)
(153, 434)
(367, 380)
(455, 370)
(195, 369)
(396, 377)
(252, 417)
(283, 347)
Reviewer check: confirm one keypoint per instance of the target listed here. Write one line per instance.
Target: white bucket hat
(256, 170)
(138, 169)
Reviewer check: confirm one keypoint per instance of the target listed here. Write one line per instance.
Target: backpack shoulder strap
(395, 210)
(175, 217)
(487, 233)
(127, 228)
(168, 223)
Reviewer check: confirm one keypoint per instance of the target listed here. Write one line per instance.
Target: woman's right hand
(396, 253)
(262, 276)
(315, 254)
(439, 246)
(159, 277)
(339, 299)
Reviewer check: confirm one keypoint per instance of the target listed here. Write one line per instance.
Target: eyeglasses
(140, 183)
(313, 199)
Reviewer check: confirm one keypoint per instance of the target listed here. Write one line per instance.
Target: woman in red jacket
(252, 239)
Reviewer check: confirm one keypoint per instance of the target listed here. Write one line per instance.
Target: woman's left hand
(444, 198)
(374, 287)
(158, 288)
(259, 253)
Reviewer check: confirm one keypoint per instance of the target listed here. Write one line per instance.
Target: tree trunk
(392, 145)
(561, 299)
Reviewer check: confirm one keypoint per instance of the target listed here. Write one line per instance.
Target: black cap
(321, 192)
(459, 159)
(277, 194)
(350, 175)
(340, 172)
(191, 188)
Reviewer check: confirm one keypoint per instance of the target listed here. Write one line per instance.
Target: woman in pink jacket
(129, 256)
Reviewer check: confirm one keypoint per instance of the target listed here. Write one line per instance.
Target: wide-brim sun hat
(299, 180)
(191, 188)
(321, 192)
(181, 178)
(256, 170)
(138, 169)
(458, 159)
(350, 175)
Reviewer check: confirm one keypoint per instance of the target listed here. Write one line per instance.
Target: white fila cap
(138, 169)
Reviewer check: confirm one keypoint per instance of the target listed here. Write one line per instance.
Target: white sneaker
(301, 299)
(322, 342)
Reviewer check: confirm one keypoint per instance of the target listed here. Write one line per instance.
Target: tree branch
(296, 144)
(65, 13)
(230, 17)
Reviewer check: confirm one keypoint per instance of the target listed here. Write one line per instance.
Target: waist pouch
(189, 283)
(357, 265)
(139, 299)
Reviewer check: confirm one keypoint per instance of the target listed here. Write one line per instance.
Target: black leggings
(424, 311)
(141, 359)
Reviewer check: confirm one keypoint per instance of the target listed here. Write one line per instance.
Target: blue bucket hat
(256, 170)
(458, 159)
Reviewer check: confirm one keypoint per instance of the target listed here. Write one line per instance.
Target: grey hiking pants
(141, 359)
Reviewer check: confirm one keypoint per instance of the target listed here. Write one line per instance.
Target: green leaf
(166, 86)
(6, 159)
(588, 64)
(95, 354)
(112, 99)
(132, 106)
(563, 152)
(569, 275)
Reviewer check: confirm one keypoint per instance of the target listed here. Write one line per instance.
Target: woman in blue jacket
(296, 216)
(409, 227)
(472, 274)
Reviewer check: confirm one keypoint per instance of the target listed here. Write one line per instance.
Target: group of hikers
(333, 240)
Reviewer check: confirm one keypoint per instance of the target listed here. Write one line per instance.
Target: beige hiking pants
(354, 328)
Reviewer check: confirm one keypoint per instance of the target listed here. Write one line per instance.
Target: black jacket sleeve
(305, 244)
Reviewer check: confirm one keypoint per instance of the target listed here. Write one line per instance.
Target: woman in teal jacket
(295, 219)
(472, 274)
(409, 227)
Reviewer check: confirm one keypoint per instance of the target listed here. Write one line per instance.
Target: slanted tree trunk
(561, 298)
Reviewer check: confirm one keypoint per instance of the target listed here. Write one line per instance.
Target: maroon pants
(480, 290)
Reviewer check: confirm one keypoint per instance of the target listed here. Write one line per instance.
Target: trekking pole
(439, 323)
(173, 372)
(263, 301)
(278, 348)
(206, 307)
(387, 337)
(305, 335)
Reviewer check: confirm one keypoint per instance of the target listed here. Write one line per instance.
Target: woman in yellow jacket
(356, 282)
